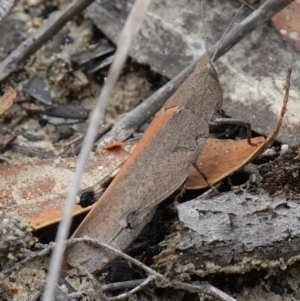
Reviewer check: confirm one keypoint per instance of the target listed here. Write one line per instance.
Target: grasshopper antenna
(225, 33)
(204, 28)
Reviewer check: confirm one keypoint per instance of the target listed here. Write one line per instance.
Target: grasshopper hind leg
(194, 158)
(204, 176)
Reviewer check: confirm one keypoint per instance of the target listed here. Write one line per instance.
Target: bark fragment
(233, 233)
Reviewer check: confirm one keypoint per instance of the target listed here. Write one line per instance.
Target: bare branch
(204, 288)
(254, 20)
(131, 292)
(139, 115)
(118, 253)
(121, 285)
(55, 22)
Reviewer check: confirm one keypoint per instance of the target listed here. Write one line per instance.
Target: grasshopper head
(211, 70)
(214, 84)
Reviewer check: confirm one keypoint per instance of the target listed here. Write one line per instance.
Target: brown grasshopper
(158, 166)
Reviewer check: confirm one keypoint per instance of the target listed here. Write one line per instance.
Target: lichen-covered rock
(14, 235)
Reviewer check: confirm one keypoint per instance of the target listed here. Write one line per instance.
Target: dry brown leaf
(36, 191)
(7, 99)
(287, 23)
(114, 145)
(221, 158)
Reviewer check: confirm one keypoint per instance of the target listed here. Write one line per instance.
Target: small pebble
(283, 32)
(270, 152)
(284, 149)
(33, 2)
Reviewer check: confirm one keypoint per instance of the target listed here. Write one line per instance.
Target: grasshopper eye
(212, 71)
(132, 220)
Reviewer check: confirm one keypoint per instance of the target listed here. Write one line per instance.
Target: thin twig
(254, 20)
(99, 288)
(76, 295)
(220, 42)
(128, 33)
(121, 285)
(204, 288)
(118, 253)
(247, 4)
(143, 112)
(55, 22)
(136, 289)
(152, 273)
